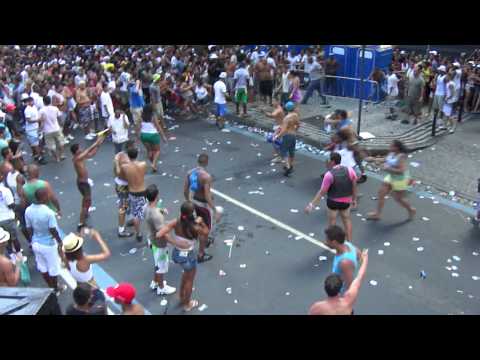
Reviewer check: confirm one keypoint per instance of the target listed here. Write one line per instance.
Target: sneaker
(153, 285)
(125, 234)
(166, 290)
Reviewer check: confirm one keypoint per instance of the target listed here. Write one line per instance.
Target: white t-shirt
(50, 116)
(285, 83)
(106, 101)
(6, 198)
(31, 112)
(440, 90)
(458, 79)
(393, 85)
(124, 78)
(220, 90)
(201, 92)
(347, 158)
(37, 100)
(120, 134)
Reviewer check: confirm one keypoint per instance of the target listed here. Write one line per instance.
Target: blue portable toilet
(349, 59)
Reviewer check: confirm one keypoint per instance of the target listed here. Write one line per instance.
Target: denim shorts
(32, 138)
(287, 148)
(186, 259)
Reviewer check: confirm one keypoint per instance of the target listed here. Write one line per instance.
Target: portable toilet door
(340, 53)
(368, 66)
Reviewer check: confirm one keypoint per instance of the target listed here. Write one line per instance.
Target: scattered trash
(259, 173)
(240, 228)
(475, 277)
(460, 291)
(229, 290)
(414, 164)
(60, 193)
(470, 296)
(294, 211)
(214, 150)
(454, 267)
(424, 218)
(243, 266)
(92, 209)
(176, 201)
(420, 248)
(451, 193)
(259, 154)
(474, 253)
(290, 236)
(267, 252)
(107, 184)
(359, 215)
(374, 198)
(364, 219)
(235, 301)
(225, 130)
(228, 142)
(436, 202)
(172, 138)
(322, 258)
(229, 179)
(423, 274)
(164, 174)
(455, 241)
(311, 234)
(317, 208)
(132, 251)
(203, 307)
(387, 244)
(256, 192)
(56, 177)
(449, 261)
(410, 287)
(287, 293)
(448, 268)
(415, 239)
(247, 177)
(421, 197)
(164, 302)
(456, 258)
(380, 252)
(454, 275)
(373, 283)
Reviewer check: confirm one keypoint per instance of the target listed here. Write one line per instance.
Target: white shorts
(447, 109)
(160, 258)
(47, 258)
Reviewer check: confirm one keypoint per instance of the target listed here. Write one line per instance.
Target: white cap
(261, 54)
(24, 96)
(223, 75)
(456, 63)
(213, 56)
(210, 47)
(433, 52)
(442, 68)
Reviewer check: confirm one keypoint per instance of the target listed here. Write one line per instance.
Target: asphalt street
(273, 269)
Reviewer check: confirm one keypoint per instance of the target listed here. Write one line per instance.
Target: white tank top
(12, 184)
(148, 128)
(451, 93)
(81, 277)
(440, 86)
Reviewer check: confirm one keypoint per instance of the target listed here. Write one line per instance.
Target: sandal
(191, 305)
(205, 257)
(373, 216)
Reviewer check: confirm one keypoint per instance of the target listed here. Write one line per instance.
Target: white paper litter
(259, 154)
(235, 301)
(415, 239)
(256, 192)
(287, 293)
(203, 307)
(456, 258)
(387, 244)
(259, 173)
(60, 193)
(373, 283)
(317, 208)
(322, 258)
(294, 211)
(164, 302)
(290, 236)
(132, 251)
(222, 273)
(410, 287)
(448, 268)
(454, 267)
(243, 266)
(225, 130)
(380, 252)
(420, 248)
(267, 252)
(454, 275)
(214, 150)
(474, 253)
(247, 177)
(229, 290)
(92, 209)
(451, 193)
(449, 261)
(424, 218)
(436, 202)
(107, 184)
(311, 234)
(414, 164)
(474, 277)
(460, 291)
(240, 228)
(229, 179)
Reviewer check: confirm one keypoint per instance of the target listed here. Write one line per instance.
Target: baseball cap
(10, 108)
(442, 68)
(4, 236)
(72, 243)
(25, 96)
(124, 293)
(223, 75)
(289, 106)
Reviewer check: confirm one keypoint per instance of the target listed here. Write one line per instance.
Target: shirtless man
(9, 273)
(336, 304)
(265, 77)
(134, 172)
(278, 115)
(121, 188)
(197, 189)
(84, 112)
(287, 133)
(83, 182)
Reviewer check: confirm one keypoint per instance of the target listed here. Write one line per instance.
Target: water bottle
(423, 274)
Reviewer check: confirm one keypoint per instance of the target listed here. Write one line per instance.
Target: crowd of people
(128, 95)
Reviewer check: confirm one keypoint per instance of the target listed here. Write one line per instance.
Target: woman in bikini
(186, 229)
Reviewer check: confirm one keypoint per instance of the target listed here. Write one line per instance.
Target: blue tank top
(350, 255)
(193, 179)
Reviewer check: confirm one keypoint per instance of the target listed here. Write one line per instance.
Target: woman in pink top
(340, 186)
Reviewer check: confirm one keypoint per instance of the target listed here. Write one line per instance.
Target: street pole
(362, 77)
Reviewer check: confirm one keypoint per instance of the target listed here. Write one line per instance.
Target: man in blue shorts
(220, 90)
(287, 134)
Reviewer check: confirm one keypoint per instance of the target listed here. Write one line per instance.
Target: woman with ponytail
(187, 228)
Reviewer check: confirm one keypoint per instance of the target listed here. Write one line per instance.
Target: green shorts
(150, 138)
(241, 96)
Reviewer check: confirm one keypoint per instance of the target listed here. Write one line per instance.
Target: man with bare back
(197, 189)
(83, 182)
(134, 172)
(278, 115)
(121, 188)
(287, 134)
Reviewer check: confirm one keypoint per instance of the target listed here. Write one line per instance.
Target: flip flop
(192, 305)
(373, 216)
(204, 258)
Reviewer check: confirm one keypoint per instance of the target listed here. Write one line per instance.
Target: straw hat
(72, 243)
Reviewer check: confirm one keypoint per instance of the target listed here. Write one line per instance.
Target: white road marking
(272, 220)
(72, 284)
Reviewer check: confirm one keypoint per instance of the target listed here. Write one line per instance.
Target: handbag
(25, 274)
